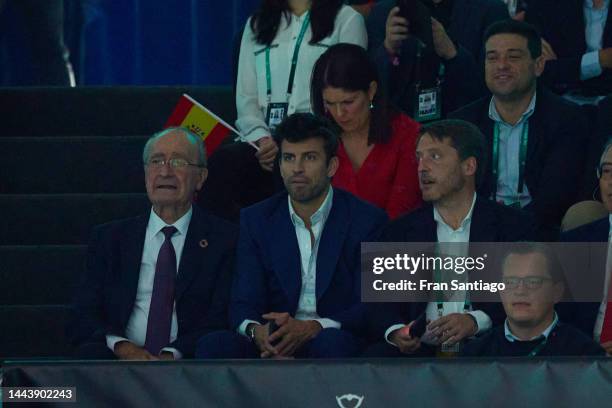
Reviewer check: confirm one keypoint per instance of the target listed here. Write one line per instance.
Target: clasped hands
(290, 335)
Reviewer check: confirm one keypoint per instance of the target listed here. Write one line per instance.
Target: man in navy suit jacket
(589, 317)
(545, 181)
(452, 161)
(116, 294)
(297, 288)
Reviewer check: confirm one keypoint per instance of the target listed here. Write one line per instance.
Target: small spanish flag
(191, 115)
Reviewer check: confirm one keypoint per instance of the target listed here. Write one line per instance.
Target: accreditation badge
(276, 113)
(428, 104)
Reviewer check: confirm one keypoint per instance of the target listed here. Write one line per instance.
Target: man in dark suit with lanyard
(535, 138)
(154, 284)
(452, 161)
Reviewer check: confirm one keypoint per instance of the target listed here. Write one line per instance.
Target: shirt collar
(182, 224)
(320, 215)
(468, 218)
(610, 223)
(589, 4)
(512, 338)
(495, 116)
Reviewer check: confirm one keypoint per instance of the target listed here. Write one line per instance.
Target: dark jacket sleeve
(88, 322)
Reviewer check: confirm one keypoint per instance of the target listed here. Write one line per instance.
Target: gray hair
(605, 151)
(191, 138)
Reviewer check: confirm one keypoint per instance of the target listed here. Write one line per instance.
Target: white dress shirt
(509, 155)
(251, 99)
(307, 304)
(136, 329)
(594, 25)
(447, 234)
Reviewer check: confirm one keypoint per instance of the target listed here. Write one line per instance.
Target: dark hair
(465, 137)
(348, 67)
(525, 30)
(266, 20)
(302, 126)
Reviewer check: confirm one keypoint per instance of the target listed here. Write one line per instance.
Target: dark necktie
(162, 298)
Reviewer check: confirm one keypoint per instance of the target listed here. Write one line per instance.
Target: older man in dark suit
(594, 318)
(154, 284)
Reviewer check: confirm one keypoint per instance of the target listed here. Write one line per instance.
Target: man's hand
(520, 16)
(605, 58)
(453, 328)
(262, 341)
(404, 342)
(396, 31)
(608, 347)
(126, 350)
(292, 333)
(267, 152)
(166, 355)
(442, 43)
(547, 51)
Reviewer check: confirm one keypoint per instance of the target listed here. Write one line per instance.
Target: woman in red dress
(377, 149)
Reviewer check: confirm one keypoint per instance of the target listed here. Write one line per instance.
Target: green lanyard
(440, 299)
(522, 160)
(538, 348)
(294, 60)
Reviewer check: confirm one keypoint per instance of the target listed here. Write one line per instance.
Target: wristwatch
(251, 331)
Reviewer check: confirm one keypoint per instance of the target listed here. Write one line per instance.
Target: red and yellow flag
(191, 115)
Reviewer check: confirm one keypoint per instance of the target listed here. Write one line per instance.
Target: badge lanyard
(294, 61)
(522, 160)
(440, 298)
(427, 102)
(540, 346)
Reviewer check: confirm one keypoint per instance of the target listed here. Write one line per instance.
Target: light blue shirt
(509, 153)
(594, 25)
(512, 338)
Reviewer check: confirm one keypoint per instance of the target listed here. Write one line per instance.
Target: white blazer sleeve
(251, 120)
(353, 28)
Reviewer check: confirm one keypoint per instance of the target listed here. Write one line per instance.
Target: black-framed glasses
(176, 163)
(529, 282)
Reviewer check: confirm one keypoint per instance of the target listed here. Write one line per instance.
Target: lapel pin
(203, 243)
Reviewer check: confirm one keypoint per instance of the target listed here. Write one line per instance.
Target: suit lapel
(131, 246)
(332, 240)
(192, 261)
(483, 226)
(285, 252)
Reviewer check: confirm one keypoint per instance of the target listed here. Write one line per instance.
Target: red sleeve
(405, 194)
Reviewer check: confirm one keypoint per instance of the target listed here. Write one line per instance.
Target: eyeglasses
(529, 282)
(604, 171)
(176, 163)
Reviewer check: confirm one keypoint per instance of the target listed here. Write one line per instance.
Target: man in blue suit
(156, 283)
(593, 317)
(297, 288)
